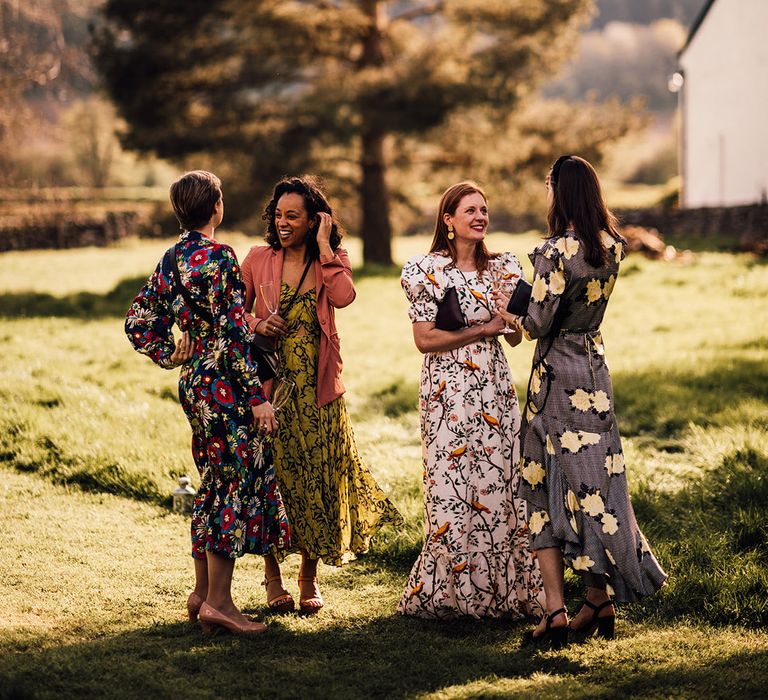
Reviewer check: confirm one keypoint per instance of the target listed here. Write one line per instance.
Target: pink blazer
(334, 290)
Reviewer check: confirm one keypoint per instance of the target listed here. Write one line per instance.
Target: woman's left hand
(264, 418)
(324, 229)
(502, 300)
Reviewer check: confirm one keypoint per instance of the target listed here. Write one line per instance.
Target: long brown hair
(578, 201)
(449, 202)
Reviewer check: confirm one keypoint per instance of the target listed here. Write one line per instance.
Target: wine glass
(499, 283)
(267, 290)
(281, 392)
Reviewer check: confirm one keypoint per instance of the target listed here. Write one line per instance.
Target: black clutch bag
(264, 354)
(521, 297)
(449, 316)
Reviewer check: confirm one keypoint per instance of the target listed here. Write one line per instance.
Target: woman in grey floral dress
(475, 561)
(573, 465)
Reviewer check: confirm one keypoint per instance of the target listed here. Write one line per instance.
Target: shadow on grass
(737, 675)
(390, 657)
(48, 460)
(662, 402)
(81, 305)
(712, 538)
(115, 302)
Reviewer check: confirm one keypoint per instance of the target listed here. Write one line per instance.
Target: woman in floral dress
(475, 560)
(334, 504)
(238, 509)
(573, 465)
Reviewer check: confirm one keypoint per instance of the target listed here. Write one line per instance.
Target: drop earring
(450, 232)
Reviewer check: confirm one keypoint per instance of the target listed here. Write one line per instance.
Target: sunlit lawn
(94, 584)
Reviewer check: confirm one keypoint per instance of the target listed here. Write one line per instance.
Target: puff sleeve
(422, 288)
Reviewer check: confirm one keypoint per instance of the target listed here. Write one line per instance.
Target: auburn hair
(449, 203)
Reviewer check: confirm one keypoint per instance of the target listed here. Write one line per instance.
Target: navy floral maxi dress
(573, 473)
(238, 509)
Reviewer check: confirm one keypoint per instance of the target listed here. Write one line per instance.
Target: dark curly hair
(314, 201)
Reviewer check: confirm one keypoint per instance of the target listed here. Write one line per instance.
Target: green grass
(96, 569)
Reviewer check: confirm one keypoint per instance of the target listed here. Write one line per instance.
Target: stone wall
(746, 225)
(65, 230)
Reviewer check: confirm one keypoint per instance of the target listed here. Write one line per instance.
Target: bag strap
(193, 304)
(301, 281)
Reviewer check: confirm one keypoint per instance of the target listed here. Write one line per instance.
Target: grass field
(95, 569)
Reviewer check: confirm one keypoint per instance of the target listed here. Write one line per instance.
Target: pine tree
(283, 86)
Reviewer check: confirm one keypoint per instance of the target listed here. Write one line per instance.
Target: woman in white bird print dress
(476, 560)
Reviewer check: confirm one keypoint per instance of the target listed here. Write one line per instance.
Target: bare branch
(416, 12)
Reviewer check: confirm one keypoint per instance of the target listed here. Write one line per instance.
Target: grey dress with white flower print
(573, 465)
(476, 560)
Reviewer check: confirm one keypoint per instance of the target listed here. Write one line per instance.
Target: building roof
(696, 24)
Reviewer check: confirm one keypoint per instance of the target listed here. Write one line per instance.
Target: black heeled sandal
(555, 637)
(604, 627)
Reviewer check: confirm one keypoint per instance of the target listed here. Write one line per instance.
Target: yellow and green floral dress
(334, 504)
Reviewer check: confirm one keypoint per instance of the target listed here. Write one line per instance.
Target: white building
(724, 105)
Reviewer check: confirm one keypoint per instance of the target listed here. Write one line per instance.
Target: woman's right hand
(264, 418)
(273, 326)
(184, 350)
(494, 327)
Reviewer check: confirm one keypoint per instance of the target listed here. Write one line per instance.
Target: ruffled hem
(557, 518)
(629, 577)
(339, 557)
(505, 583)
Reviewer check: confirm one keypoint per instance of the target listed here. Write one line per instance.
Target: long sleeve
(337, 278)
(148, 322)
(250, 291)
(232, 347)
(548, 287)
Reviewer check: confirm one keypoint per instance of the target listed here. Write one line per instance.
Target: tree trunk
(376, 228)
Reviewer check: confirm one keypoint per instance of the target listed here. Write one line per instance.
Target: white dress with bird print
(476, 560)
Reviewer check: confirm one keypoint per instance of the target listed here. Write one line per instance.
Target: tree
(279, 86)
(42, 61)
(624, 59)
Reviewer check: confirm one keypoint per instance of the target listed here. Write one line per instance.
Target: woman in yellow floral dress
(334, 505)
(573, 465)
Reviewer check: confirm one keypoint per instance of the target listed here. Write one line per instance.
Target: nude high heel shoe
(211, 618)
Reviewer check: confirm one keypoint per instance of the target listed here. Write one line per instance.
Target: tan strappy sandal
(282, 603)
(313, 604)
